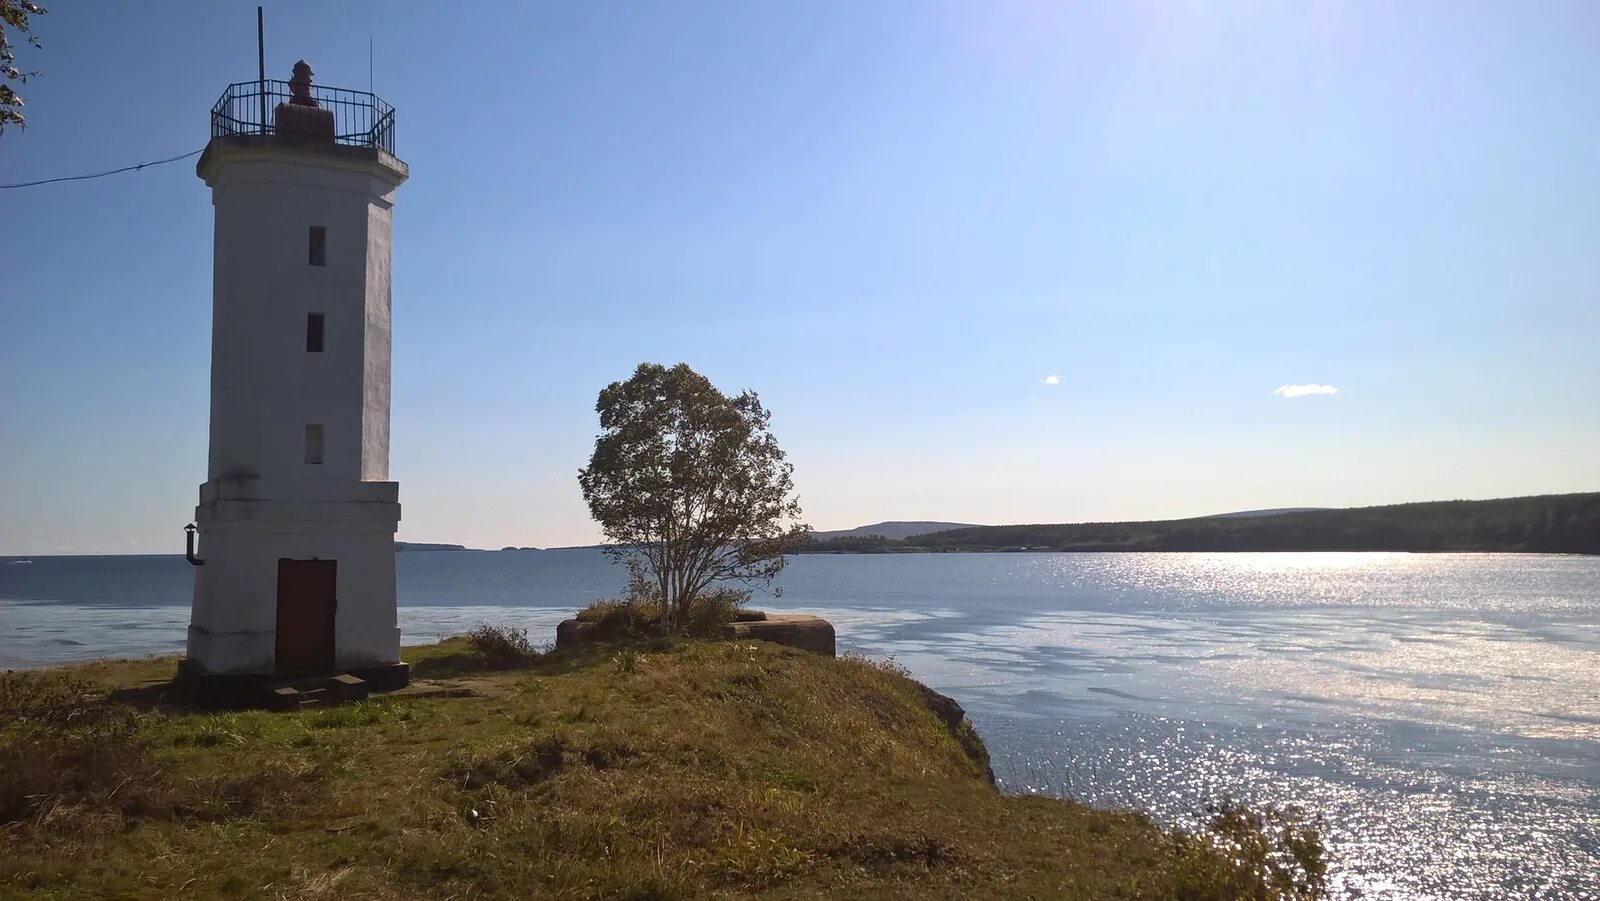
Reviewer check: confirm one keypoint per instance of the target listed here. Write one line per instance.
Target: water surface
(1439, 713)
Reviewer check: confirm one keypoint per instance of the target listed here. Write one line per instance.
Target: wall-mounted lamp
(188, 551)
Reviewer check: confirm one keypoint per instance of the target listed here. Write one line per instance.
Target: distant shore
(1547, 524)
(1539, 524)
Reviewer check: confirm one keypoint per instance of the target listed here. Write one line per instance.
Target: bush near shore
(673, 769)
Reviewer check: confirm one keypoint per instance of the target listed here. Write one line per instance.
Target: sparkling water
(1439, 714)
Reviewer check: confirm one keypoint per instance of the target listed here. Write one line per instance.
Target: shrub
(638, 613)
(709, 612)
(503, 647)
(1245, 853)
(633, 616)
(620, 620)
(629, 619)
(626, 660)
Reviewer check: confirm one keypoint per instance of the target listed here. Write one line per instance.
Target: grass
(666, 770)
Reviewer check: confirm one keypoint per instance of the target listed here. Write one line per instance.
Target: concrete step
(321, 691)
(290, 698)
(345, 687)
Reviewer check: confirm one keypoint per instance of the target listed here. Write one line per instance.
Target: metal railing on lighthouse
(360, 119)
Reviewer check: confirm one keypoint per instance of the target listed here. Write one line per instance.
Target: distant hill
(1551, 523)
(425, 546)
(1272, 512)
(894, 530)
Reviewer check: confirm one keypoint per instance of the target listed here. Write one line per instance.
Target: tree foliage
(690, 484)
(14, 22)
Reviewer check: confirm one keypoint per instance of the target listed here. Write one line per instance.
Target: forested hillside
(1553, 523)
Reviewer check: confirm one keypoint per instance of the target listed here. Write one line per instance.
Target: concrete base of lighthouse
(261, 690)
(298, 579)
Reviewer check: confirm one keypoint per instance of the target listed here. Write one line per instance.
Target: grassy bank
(683, 770)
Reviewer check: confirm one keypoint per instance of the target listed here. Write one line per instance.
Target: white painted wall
(376, 352)
(262, 501)
(265, 386)
(234, 624)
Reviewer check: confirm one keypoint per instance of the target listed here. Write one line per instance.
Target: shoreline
(663, 769)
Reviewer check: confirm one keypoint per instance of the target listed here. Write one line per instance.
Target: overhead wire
(48, 181)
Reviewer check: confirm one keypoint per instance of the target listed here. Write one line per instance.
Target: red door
(306, 605)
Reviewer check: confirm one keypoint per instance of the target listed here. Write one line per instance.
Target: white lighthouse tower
(295, 572)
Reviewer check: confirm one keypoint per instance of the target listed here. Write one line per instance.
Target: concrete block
(795, 630)
(345, 687)
(570, 632)
(284, 699)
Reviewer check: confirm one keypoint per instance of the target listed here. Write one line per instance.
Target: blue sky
(895, 221)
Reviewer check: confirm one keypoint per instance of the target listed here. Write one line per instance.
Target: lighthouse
(295, 563)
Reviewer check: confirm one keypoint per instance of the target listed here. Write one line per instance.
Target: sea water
(1439, 715)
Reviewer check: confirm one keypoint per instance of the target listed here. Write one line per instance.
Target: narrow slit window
(319, 245)
(313, 443)
(314, 333)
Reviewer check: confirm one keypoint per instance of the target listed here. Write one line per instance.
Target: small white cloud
(1303, 390)
(1052, 380)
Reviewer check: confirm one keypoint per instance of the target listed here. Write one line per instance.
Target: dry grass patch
(668, 770)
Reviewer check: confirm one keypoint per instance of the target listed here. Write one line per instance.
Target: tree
(689, 484)
(14, 18)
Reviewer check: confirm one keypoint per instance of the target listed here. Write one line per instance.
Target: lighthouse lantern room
(295, 571)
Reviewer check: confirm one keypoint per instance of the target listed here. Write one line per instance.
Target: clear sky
(985, 262)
